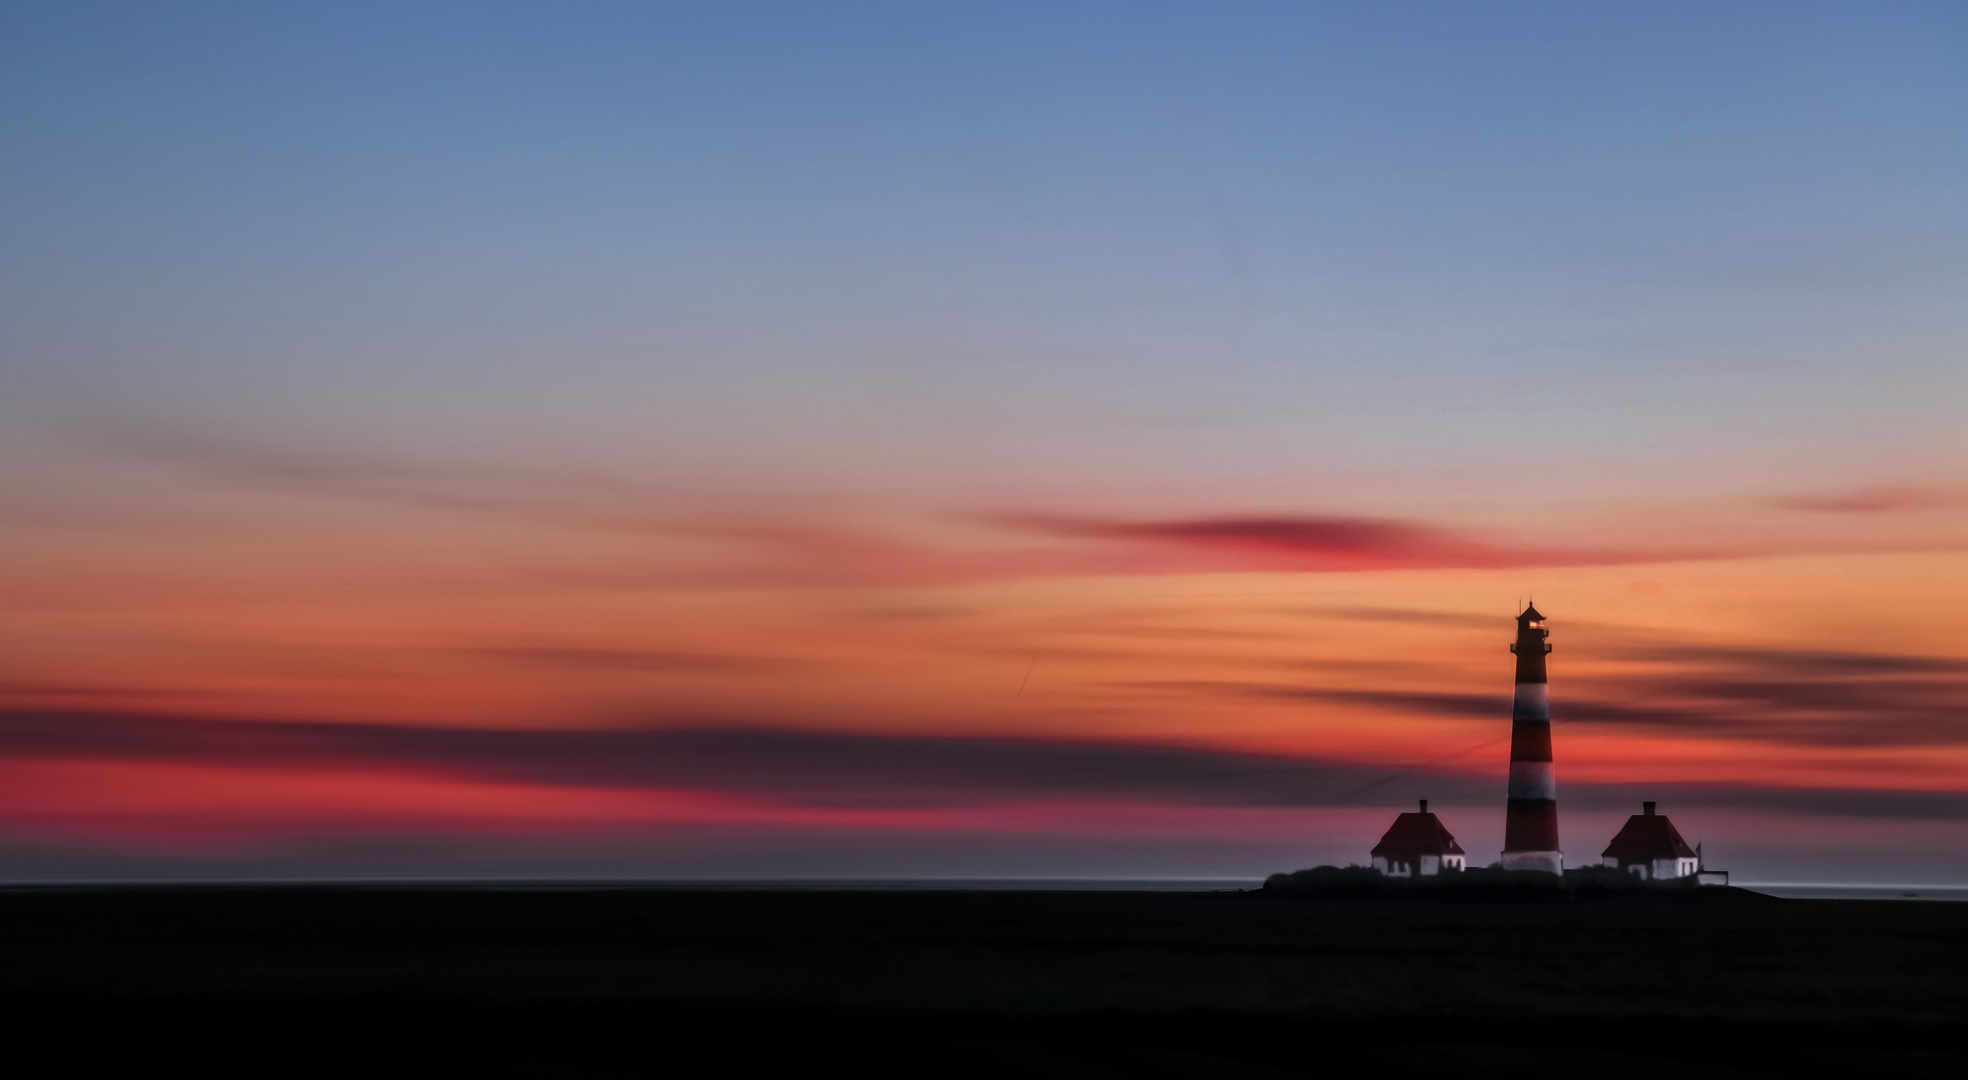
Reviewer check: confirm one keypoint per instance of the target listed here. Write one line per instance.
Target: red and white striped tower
(1530, 827)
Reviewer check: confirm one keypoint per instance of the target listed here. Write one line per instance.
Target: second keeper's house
(1417, 846)
(1651, 847)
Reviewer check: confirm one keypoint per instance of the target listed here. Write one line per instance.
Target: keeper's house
(1417, 846)
(1650, 846)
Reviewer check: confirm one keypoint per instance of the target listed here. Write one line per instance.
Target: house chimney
(1424, 806)
(1648, 807)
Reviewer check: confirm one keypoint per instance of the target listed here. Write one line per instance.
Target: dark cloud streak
(1773, 712)
(1332, 542)
(806, 768)
(1808, 662)
(836, 770)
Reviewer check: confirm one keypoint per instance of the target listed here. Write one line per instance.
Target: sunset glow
(908, 444)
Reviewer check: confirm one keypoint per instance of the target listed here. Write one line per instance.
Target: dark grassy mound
(624, 983)
(1591, 883)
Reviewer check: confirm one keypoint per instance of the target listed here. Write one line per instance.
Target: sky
(1033, 440)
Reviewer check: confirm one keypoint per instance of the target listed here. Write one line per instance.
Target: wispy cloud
(1878, 499)
(772, 540)
(1408, 615)
(586, 500)
(630, 659)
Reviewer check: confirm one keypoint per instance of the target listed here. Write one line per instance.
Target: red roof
(1414, 835)
(1648, 837)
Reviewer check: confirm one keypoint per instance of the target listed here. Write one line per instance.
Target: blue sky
(1671, 227)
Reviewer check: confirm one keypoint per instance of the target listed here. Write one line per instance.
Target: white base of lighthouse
(1551, 862)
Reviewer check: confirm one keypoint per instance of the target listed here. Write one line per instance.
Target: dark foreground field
(539, 982)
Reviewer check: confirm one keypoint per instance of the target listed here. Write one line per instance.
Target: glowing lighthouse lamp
(1530, 826)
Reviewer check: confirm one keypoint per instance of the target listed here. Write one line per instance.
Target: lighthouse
(1530, 826)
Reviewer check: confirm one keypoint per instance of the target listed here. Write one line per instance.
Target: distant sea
(1807, 891)
(988, 884)
(894, 884)
(700, 884)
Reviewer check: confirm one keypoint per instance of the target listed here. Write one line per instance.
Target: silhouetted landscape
(782, 539)
(546, 981)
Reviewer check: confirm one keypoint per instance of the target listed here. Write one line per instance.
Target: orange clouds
(301, 647)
